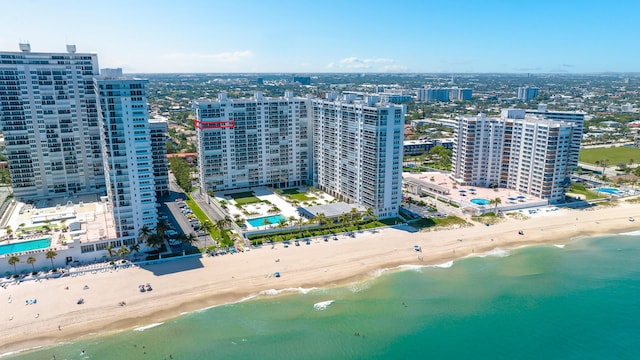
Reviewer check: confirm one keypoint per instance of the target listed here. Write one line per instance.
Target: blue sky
(334, 36)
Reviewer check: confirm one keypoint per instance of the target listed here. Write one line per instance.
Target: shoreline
(191, 284)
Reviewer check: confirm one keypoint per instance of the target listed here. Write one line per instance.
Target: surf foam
(321, 306)
(146, 327)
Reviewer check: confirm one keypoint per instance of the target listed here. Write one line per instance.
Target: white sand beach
(193, 283)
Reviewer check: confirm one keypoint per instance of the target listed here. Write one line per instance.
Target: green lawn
(245, 198)
(433, 222)
(294, 194)
(613, 156)
(197, 211)
(588, 194)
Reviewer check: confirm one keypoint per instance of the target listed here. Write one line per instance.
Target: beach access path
(194, 283)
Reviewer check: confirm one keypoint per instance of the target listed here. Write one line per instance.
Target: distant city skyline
(333, 36)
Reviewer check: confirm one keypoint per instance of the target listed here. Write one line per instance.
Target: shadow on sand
(172, 265)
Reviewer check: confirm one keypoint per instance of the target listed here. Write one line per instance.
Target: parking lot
(181, 220)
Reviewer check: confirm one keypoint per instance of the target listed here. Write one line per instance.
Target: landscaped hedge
(327, 229)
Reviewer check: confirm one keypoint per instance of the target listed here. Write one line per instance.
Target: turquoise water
(608, 190)
(25, 246)
(479, 201)
(577, 302)
(274, 219)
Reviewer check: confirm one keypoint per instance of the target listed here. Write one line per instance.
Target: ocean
(580, 301)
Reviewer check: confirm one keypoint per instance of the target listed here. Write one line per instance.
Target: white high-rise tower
(49, 120)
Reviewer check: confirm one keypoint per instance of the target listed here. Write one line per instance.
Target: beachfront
(194, 283)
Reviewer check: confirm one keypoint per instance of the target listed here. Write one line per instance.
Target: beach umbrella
(511, 198)
(521, 197)
(462, 190)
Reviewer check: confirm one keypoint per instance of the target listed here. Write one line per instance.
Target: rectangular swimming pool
(25, 246)
(274, 219)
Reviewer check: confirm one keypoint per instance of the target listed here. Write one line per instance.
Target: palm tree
(189, 239)
(9, 231)
(161, 227)
(155, 241)
(300, 222)
(31, 260)
(370, 214)
(266, 222)
(123, 251)
(135, 248)
(223, 223)
(207, 226)
(355, 215)
(320, 218)
(291, 220)
(237, 217)
(13, 261)
(110, 251)
(51, 255)
(497, 201)
(282, 223)
(143, 234)
(344, 219)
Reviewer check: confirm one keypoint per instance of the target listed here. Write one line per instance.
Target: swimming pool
(273, 219)
(25, 246)
(608, 190)
(479, 201)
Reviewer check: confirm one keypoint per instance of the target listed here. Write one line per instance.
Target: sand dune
(193, 283)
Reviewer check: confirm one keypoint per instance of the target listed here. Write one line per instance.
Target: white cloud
(224, 57)
(394, 68)
(371, 64)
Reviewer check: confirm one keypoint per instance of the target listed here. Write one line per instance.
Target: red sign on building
(227, 124)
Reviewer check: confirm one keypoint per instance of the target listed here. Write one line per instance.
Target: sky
(304, 36)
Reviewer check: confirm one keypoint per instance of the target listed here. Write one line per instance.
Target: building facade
(127, 152)
(158, 129)
(253, 142)
(49, 119)
(444, 94)
(575, 118)
(358, 151)
(526, 93)
(529, 154)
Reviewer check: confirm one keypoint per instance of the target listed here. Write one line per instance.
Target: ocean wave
(632, 233)
(497, 252)
(416, 268)
(146, 327)
(360, 286)
(559, 246)
(323, 305)
(287, 290)
(19, 351)
(446, 265)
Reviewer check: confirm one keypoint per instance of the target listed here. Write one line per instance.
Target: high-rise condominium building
(49, 119)
(126, 147)
(358, 151)
(158, 130)
(526, 93)
(575, 118)
(529, 155)
(253, 142)
(444, 94)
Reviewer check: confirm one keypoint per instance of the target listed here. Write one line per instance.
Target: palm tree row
(14, 260)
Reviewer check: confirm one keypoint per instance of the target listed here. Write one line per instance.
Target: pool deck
(262, 209)
(462, 195)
